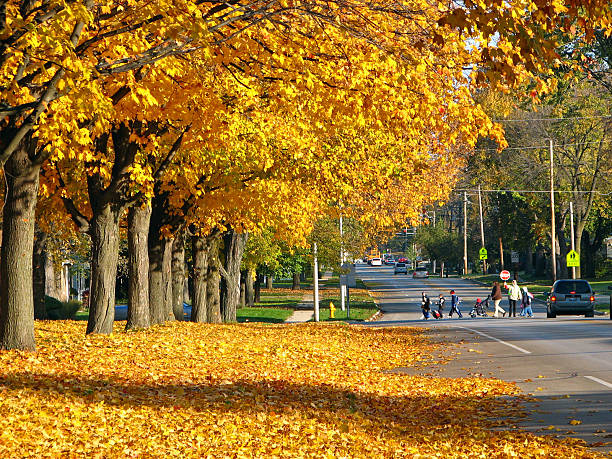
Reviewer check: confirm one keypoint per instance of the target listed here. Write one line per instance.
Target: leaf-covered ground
(192, 390)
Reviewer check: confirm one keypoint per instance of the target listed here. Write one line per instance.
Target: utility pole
(465, 259)
(552, 214)
(316, 283)
(572, 235)
(342, 287)
(482, 240)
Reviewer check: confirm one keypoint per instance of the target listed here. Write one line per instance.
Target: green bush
(57, 310)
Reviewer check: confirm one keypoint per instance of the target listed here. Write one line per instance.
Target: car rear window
(421, 269)
(400, 265)
(572, 286)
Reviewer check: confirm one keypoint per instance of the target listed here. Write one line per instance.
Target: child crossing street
(526, 303)
(454, 305)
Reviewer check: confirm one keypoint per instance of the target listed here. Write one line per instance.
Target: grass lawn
(82, 315)
(359, 310)
(263, 314)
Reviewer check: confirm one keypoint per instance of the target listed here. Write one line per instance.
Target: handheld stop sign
(504, 275)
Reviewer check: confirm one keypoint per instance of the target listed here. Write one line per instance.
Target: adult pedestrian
(514, 295)
(496, 296)
(454, 305)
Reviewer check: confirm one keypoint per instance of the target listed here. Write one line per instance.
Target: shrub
(57, 310)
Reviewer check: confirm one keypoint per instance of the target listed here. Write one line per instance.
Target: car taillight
(572, 293)
(553, 298)
(592, 298)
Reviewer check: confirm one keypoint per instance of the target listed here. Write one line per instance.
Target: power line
(475, 191)
(526, 120)
(546, 146)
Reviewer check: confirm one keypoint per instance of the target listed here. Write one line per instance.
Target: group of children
(438, 312)
(479, 308)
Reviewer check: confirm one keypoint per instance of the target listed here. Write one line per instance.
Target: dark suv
(571, 296)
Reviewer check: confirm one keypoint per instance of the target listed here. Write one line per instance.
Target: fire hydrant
(332, 309)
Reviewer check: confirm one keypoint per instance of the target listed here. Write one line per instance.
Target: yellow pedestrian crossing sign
(573, 259)
(483, 253)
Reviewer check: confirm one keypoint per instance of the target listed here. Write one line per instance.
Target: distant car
(121, 312)
(420, 273)
(390, 261)
(402, 260)
(570, 296)
(400, 268)
(376, 261)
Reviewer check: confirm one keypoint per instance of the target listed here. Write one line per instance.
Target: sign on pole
(483, 253)
(573, 259)
(504, 275)
(514, 257)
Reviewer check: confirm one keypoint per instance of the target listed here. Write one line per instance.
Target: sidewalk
(305, 310)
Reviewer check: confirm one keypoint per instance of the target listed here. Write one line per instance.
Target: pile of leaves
(196, 390)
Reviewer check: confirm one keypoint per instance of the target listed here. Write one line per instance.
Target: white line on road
(524, 351)
(600, 381)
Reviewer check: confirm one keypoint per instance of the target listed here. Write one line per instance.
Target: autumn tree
(59, 62)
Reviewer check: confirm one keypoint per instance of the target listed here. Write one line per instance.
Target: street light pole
(342, 287)
(482, 239)
(572, 235)
(465, 258)
(552, 215)
(316, 283)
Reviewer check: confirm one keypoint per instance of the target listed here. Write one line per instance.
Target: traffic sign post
(483, 253)
(573, 259)
(504, 275)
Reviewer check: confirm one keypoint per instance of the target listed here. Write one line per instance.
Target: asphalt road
(564, 363)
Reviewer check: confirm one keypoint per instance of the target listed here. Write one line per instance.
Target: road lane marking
(524, 351)
(600, 381)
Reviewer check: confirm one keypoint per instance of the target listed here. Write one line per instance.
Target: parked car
(376, 261)
(420, 272)
(570, 296)
(400, 268)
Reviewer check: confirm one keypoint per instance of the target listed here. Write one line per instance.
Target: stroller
(480, 308)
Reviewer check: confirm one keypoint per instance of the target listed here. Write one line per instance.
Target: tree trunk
(529, 260)
(39, 274)
(17, 300)
(167, 279)
(50, 276)
(104, 232)
(587, 254)
(200, 253)
(213, 283)
(269, 281)
(242, 301)
(249, 292)
(257, 289)
(233, 249)
(138, 266)
(178, 275)
(578, 242)
(156, 292)
(501, 253)
(295, 285)
(564, 248)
